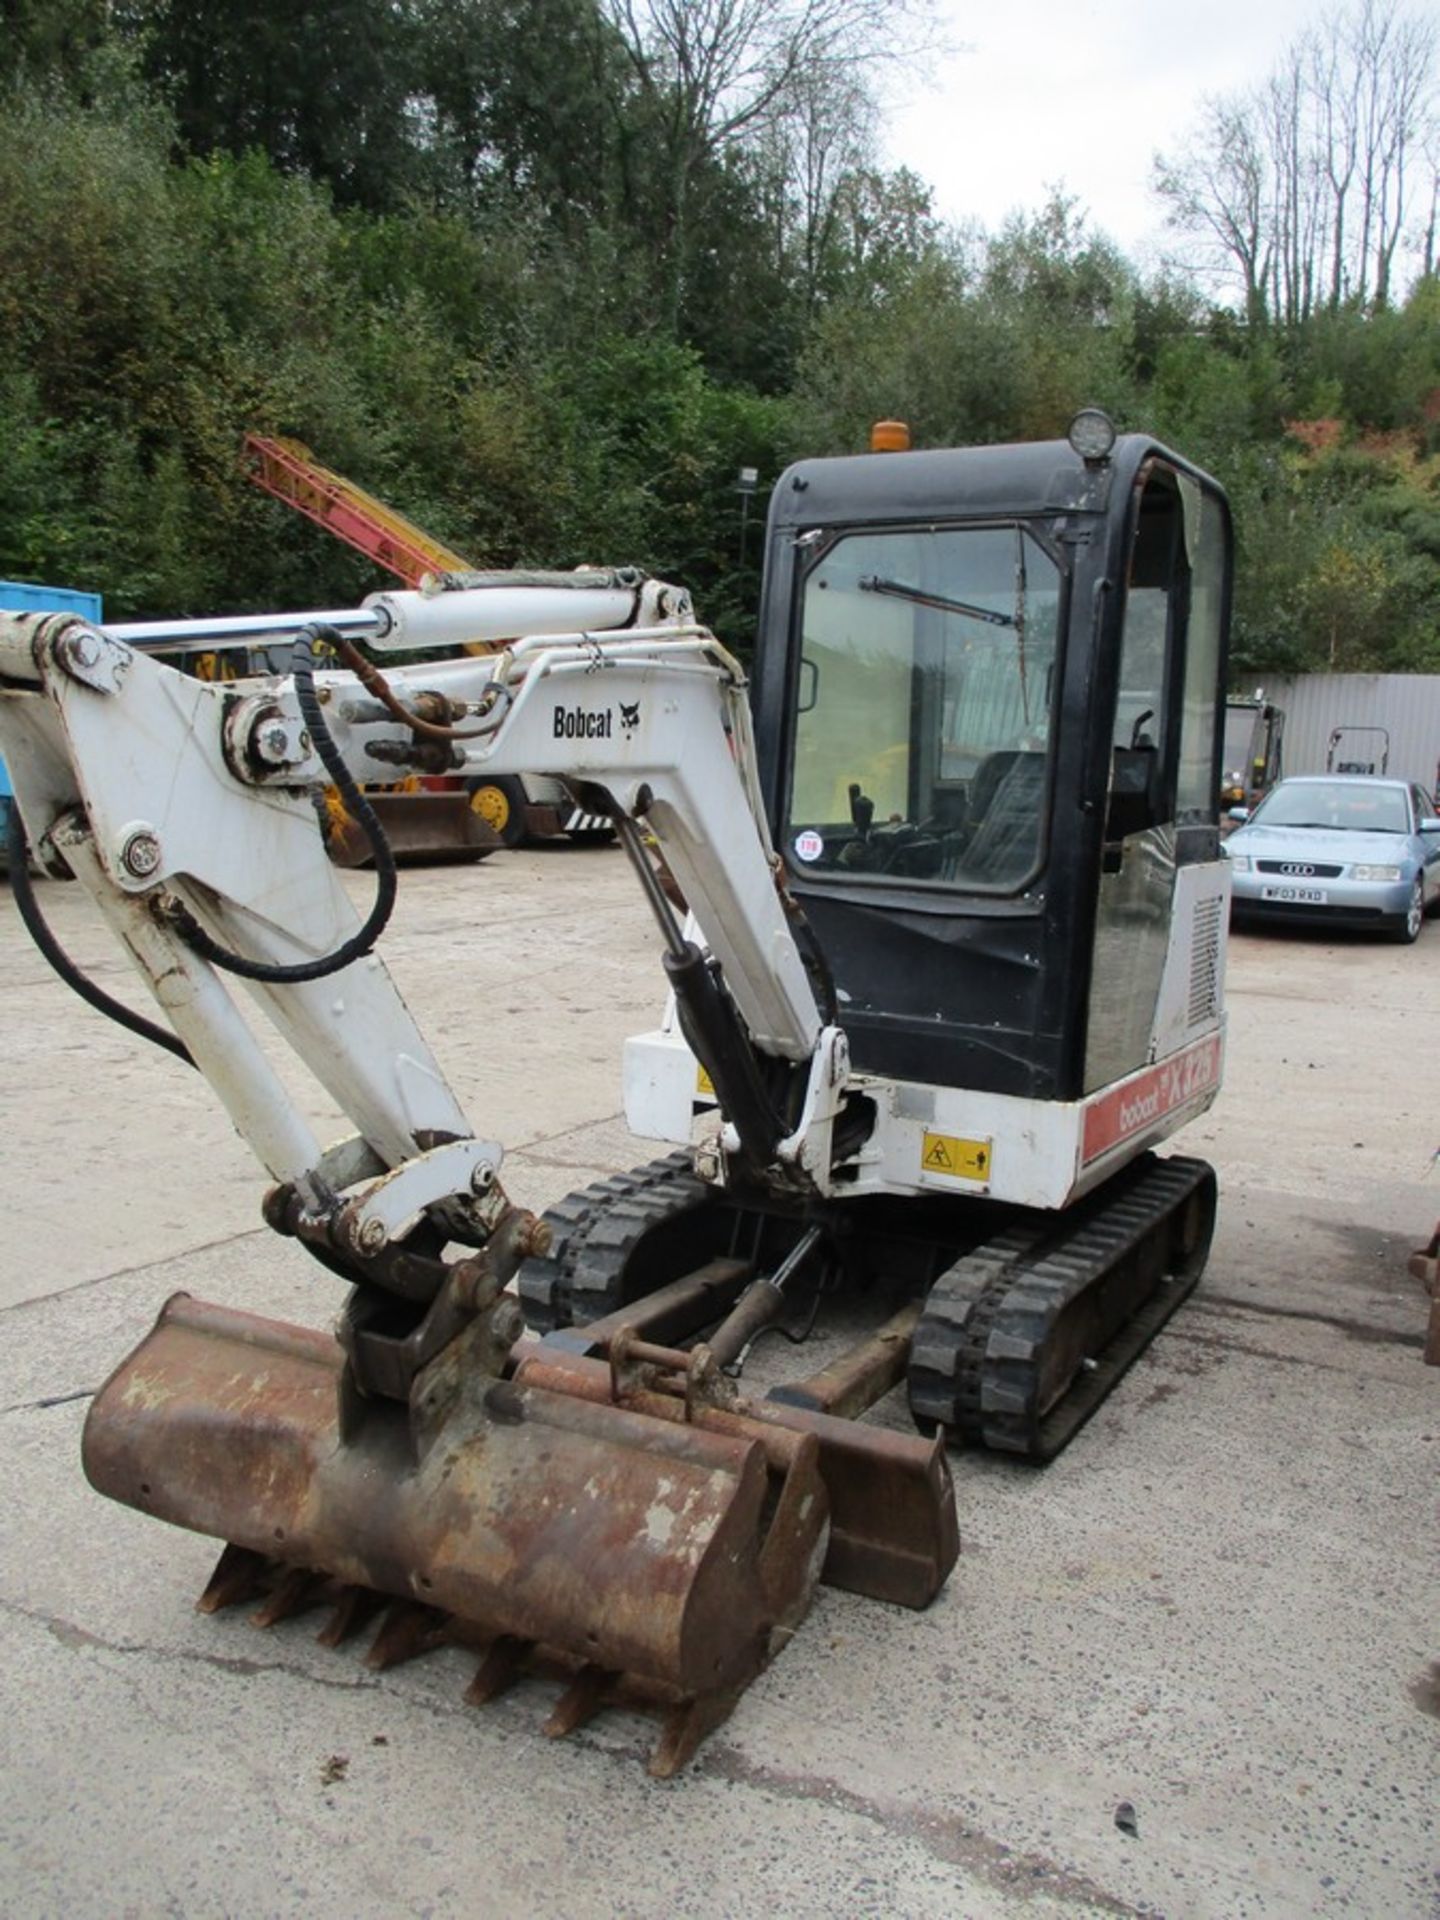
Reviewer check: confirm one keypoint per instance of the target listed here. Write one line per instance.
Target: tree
(811, 159)
(327, 88)
(718, 73)
(1393, 60)
(533, 97)
(42, 39)
(1302, 191)
(1218, 192)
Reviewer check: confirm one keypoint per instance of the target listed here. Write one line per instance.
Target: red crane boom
(291, 472)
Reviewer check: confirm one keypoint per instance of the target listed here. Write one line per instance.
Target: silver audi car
(1338, 850)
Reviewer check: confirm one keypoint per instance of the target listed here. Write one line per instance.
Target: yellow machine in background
(423, 818)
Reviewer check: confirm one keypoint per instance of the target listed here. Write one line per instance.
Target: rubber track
(594, 1233)
(978, 1351)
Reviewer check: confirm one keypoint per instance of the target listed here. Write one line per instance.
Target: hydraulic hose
(361, 942)
(17, 851)
(813, 958)
(374, 682)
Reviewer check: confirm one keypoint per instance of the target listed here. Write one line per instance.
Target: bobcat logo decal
(629, 718)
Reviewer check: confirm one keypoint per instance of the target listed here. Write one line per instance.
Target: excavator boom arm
(183, 804)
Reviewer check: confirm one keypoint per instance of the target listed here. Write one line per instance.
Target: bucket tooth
(296, 1591)
(240, 1575)
(686, 1725)
(498, 1670)
(409, 1629)
(586, 1694)
(355, 1608)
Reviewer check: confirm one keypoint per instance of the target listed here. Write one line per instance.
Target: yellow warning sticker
(961, 1159)
(704, 1085)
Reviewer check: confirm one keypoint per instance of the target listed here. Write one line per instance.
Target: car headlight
(1374, 873)
(1239, 862)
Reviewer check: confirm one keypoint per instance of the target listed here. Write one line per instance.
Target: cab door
(1163, 746)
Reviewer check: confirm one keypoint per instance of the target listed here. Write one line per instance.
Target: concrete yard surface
(1216, 1616)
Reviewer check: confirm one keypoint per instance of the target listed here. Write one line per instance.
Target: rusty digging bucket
(651, 1561)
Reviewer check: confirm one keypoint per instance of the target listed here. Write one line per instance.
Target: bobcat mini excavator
(950, 968)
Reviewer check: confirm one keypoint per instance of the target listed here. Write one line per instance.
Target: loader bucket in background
(420, 825)
(652, 1563)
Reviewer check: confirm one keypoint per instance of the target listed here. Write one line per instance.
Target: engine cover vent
(1204, 1001)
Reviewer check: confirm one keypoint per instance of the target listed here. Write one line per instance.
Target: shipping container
(19, 596)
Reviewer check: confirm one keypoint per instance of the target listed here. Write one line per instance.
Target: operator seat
(988, 775)
(1006, 799)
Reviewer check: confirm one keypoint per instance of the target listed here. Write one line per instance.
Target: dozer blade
(651, 1562)
(893, 1530)
(419, 826)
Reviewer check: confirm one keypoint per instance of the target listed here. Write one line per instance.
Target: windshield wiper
(897, 589)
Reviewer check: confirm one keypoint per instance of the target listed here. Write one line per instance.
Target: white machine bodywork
(146, 784)
(931, 1139)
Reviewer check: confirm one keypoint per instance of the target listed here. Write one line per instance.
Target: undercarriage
(1006, 1326)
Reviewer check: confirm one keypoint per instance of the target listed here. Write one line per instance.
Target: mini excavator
(948, 968)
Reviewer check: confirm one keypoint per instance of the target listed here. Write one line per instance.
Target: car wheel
(1407, 930)
(500, 802)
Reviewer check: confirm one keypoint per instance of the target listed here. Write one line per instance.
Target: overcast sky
(1079, 91)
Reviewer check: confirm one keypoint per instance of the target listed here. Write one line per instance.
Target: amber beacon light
(890, 436)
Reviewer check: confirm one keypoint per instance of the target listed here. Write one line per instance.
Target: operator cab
(988, 687)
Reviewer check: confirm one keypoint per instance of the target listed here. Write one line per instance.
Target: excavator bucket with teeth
(652, 1561)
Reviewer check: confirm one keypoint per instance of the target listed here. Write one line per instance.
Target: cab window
(1163, 741)
(928, 679)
